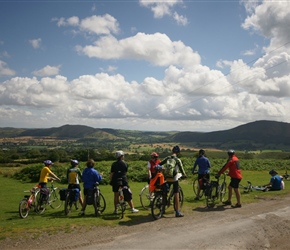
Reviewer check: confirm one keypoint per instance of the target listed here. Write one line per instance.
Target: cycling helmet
(271, 172)
(154, 154)
(201, 152)
(158, 168)
(74, 162)
(176, 149)
(119, 153)
(48, 162)
(231, 152)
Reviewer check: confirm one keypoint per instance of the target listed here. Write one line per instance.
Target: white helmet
(119, 153)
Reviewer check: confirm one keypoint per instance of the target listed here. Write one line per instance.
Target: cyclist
(154, 161)
(203, 164)
(45, 172)
(172, 178)
(235, 173)
(90, 176)
(73, 175)
(275, 183)
(119, 169)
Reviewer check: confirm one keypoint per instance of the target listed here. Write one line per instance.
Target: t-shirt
(73, 175)
(44, 174)
(90, 177)
(203, 165)
(276, 182)
(119, 170)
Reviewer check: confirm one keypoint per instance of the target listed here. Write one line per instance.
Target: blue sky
(144, 65)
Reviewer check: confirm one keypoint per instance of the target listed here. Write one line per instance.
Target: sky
(144, 65)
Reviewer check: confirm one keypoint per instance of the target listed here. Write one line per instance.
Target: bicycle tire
(23, 208)
(102, 203)
(158, 206)
(96, 203)
(146, 198)
(40, 204)
(54, 200)
(195, 185)
(222, 191)
(122, 208)
(209, 198)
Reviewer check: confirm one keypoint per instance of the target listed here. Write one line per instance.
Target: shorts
(175, 186)
(116, 185)
(43, 184)
(235, 183)
(72, 186)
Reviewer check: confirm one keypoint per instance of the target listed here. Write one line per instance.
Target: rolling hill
(250, 136)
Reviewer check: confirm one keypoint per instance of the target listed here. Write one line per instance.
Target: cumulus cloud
(161, 8)
(35, 43)
(5, 71)
(47, 71)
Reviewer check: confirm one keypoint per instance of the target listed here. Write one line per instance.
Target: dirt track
(261, 225)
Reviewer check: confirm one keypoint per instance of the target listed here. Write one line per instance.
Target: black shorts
(175, 186)
(116, 185)
(235, 182)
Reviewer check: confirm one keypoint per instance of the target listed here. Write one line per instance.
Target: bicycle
(163, 197)
(215, 191)
(28, 202)
(146, 197)
(247, 189)
(52, 199)
(122, 204)
(96, 198)
(196, 186)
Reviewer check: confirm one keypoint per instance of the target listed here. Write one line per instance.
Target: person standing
(90, 176)
(73, 175)
(154, 161)
(175, 164)
(119, 169)
(45, 172)
(235, 173)
(203, 164)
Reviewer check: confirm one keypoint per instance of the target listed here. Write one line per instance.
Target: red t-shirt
(233, 165)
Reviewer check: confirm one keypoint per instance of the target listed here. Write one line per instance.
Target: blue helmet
(48, 162)
(158, 167)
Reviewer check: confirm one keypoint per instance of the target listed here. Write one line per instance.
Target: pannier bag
(44, 194)
(62, 194)
(90, 196)
(74, 194)
(127, 193)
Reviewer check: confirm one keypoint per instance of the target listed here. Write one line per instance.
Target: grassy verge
(53, 220)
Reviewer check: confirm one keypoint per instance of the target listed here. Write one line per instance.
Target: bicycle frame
(215, 191)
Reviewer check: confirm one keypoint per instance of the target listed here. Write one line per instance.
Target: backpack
(170, 169)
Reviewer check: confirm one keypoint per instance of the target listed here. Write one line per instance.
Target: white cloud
(47, 71)
(36, 43)
(5, 71)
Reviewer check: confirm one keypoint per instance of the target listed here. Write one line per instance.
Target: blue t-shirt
(90, 177)
(276, 182)
(203, 165)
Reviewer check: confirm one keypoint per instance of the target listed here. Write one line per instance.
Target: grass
(53, 220)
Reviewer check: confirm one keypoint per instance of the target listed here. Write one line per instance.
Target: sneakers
(236, 206)
(227, 203)
(179, 215)
(134, 210)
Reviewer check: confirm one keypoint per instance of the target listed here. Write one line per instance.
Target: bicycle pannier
(62, 194)
(74, 194)
(44, 194)
(207, 189)
(127, 193)
(90, 196)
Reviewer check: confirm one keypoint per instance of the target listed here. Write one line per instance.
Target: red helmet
(154, 154)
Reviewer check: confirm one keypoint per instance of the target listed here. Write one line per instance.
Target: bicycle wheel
(195, 185)
(96, 203)
(54, 200)
(158, 207)
(23, 208)
(41, 204)
(222, 191)
(146, 198)
(67, 205)
(122, 206)
(102, 203)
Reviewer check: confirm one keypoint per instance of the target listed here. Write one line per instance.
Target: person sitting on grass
(275, 183)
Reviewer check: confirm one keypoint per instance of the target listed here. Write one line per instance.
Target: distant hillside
(251, 136)
(258, 134)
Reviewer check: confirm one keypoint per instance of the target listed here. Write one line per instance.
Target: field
(53, 221)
